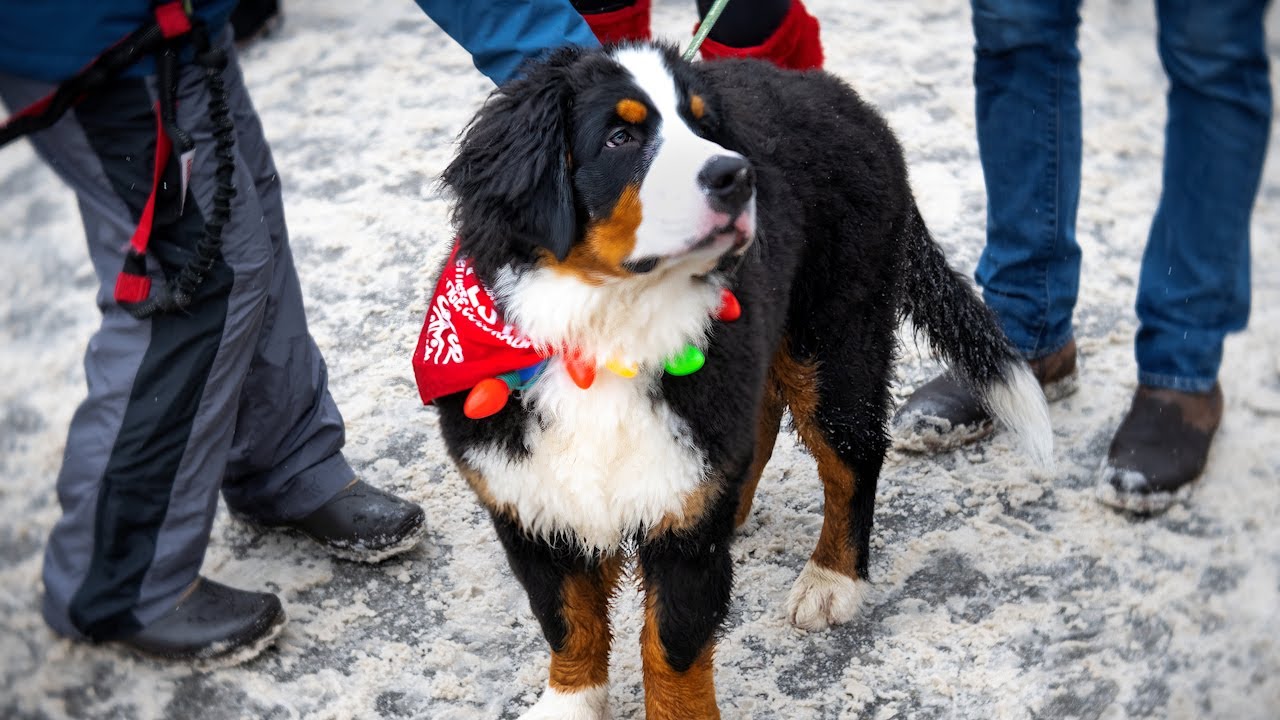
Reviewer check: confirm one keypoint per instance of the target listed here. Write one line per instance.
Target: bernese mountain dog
(605, 200)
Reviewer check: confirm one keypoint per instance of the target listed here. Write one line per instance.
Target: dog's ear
(510, 177)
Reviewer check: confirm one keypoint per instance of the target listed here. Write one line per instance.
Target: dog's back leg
(839, 400)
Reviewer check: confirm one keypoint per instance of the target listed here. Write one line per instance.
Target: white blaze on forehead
(674, 206)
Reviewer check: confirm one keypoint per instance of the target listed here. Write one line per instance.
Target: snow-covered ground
(998, 594)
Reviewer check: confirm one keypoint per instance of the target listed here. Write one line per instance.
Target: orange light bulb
(581, 371)
(486, 398)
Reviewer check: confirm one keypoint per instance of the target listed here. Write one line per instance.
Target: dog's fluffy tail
(963, 332)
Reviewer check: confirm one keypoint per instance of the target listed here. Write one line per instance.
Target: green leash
(704, 29)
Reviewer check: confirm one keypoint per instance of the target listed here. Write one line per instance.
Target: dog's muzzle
(727, 224)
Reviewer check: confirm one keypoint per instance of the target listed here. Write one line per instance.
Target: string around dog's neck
(490, 395)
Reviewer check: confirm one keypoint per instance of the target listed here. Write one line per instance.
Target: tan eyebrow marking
(632, 111)
(697, 106)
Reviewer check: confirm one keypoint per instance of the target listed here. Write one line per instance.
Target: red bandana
(464, 338)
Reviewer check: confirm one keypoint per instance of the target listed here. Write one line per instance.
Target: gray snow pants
(230, 395)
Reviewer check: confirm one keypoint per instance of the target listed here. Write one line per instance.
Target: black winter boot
(363, 523)
(1161, 446)
(945, 413)
(213, 623)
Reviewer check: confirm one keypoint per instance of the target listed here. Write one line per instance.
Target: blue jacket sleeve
(501, 34)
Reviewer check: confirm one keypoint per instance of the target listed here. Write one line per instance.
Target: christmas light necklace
(491, 394)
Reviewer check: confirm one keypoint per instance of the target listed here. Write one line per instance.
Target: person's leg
(147, 448)
(286, 453)
(1027, 84)
(286, 466)
(1194, 285)
(780, 31)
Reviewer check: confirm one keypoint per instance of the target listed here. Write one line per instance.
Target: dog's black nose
(728, 181)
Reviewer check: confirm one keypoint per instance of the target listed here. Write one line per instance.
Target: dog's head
(600, 163)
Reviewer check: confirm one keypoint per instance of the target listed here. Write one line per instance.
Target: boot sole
(1137, 503)
(216, 658)
(353, 553)
(371, 556)
(247, 652)
(934, 434)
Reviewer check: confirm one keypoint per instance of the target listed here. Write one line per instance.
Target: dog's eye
(618, 138)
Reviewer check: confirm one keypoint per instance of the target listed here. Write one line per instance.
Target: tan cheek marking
(697, 106)
(608, 242)
(632, 111)
(614, 238)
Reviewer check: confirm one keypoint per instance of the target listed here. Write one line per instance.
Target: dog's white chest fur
(613, 459)
(609, 461)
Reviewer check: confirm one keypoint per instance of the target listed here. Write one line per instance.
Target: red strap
(173, 20)
(132, 288)
(142, 234)
(36, 108)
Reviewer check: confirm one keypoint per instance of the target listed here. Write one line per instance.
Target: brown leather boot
(945, 412)
(1161, 446)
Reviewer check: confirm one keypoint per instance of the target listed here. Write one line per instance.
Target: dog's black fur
(840, 256)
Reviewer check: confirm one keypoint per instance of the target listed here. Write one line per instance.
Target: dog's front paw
(589, 704)
(822, 598)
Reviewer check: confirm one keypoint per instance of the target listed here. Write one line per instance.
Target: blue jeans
(1194, 285)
